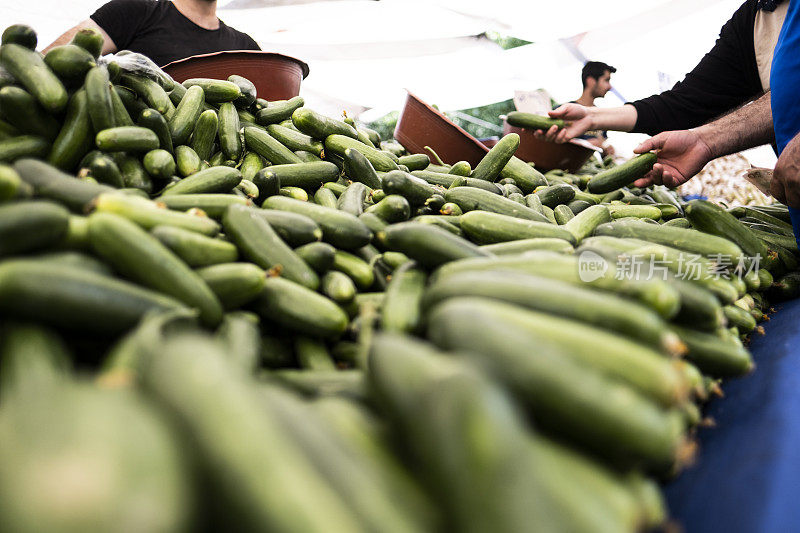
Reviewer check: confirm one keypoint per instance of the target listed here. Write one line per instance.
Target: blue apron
(784, 81)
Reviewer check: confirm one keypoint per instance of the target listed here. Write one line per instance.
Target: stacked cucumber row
(223, 312)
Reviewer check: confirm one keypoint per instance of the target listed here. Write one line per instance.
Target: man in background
(596, 79)
(162, 30)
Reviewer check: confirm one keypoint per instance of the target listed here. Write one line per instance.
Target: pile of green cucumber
(222, 312)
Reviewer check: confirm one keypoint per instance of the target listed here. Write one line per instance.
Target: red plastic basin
(276, 76)
(569, 156)
(420, 125)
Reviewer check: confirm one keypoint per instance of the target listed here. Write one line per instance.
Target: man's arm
(109, 47)
(683, 153)
(582, 119)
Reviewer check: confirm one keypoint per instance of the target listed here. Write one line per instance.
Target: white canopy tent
(364, 53)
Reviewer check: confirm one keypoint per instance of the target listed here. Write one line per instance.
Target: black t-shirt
(158, 30)
(725, 78)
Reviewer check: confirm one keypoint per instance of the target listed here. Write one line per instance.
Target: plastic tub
(276, 76)
(569, 156)
(421, 125)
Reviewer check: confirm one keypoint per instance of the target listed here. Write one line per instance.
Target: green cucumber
(213, 205)
(621, 175)
(679, 223)
(300, 309)
(234, 284)
(127, 139)
(20, 34)
(29, 226)
(294, 228)
(205, 133)
(247, 90)
(486, 227)
(654, 293)
(76, 298)
(208, 396)
(353, 198)
(278, 111)
(49, 182)
(229, 140)
(621, 425)
(740, 318)
(337, 144)
(183, 121)
(553, 195)
(393, 208)
(402, 309)
(340, 229)
(105, 170)
(129, 100)
(259, 243)
(415, 190)
(11, 185)
(563, 214)
(685, 239)
(356, 268)
(710, 218)
(521, 246)
(98, 94)
(159, 164)
(150, 91)
(305, 175)
(531, 121)
(715, 356)
(137, 254)
(338, 286)
(319, 255)
(28, 68)
(133, 173)
(490, 166)
(155, 121)
(358, 168)
(462, 168)
(211, 180)
(295, 140)
(326, 198)
(558, 298)
(187, 161)
(586, 221)
(121, 115)
(294, 192)
(470, 199)
(635, 211)
(195, 249)
(525, 176)
(69, 62)
(415, 161)
(23, 146)
(261, 142)
(75, 138)
(90, 39)
(21, 110)
(319, 126)
(429, 245)
(216, 91)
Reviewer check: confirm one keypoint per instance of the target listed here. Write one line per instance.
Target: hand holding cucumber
(578, 121)
(681, 155)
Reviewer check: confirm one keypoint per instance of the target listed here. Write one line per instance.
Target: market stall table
(747, 477)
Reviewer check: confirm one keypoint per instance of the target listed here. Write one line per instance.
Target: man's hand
(579, 122)
(681, 155)
(785, 186)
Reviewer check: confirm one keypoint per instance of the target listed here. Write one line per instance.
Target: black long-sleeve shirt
(725, 78)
